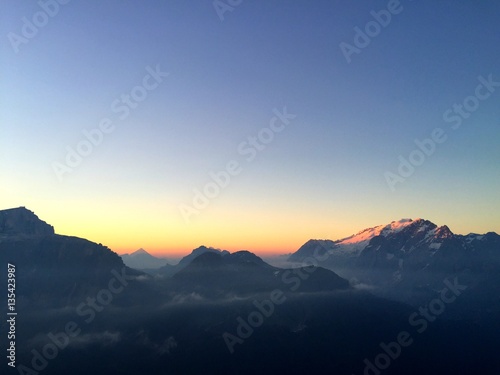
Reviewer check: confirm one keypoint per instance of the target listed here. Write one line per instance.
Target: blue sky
(321, 177)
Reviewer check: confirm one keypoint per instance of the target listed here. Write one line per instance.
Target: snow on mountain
(353, 245)
(417, 243)
(410, 255)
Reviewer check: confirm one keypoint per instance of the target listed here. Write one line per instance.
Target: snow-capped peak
(357, 242)
(367, 234)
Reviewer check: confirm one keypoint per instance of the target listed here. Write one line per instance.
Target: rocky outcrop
(23, 222)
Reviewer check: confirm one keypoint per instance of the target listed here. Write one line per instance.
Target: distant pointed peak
(140, 251)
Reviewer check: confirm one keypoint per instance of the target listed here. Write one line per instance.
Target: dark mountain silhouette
(53, 270)
(170, 270)
(197, 252)
(243, 273)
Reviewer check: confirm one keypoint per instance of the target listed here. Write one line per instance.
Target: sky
(249, 125)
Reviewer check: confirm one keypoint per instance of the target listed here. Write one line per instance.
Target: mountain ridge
(409, 260)
(354, 244)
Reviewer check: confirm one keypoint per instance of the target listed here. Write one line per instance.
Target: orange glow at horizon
(267, 227)
(149, 228)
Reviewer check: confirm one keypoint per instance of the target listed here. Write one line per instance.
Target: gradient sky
(321, 177)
